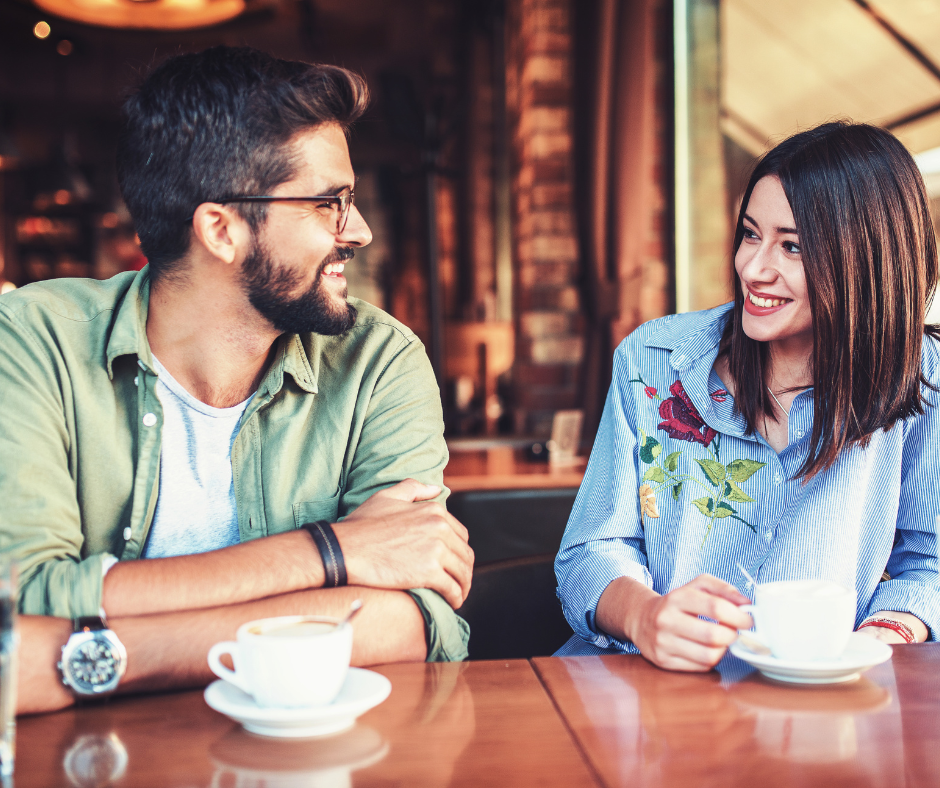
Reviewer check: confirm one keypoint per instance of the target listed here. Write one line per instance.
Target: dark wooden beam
(909, 46)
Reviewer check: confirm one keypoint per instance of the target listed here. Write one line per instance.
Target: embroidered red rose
(681, 420)
(719, 396)
(650, 392)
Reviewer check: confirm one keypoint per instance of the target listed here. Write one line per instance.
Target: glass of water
(8, 649)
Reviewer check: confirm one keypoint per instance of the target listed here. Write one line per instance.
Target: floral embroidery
(722, 482)
(648, 501)
(681, 419)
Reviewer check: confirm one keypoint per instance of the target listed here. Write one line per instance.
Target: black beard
(269, 289)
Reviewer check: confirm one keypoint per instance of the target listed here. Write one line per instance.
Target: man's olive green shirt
(334, 420)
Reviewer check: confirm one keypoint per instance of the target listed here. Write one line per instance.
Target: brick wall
(549, 307)
(549, 323)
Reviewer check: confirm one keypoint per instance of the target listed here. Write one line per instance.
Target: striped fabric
(674, 488)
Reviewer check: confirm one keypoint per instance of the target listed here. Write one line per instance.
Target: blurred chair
(513, 523)
(512, 610)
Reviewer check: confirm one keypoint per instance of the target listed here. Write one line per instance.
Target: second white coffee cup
(287, 662)
(801, 620)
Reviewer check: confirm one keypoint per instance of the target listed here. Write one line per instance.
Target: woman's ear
(222, 232)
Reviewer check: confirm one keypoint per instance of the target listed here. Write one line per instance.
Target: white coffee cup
(287, 662)
(803, 620)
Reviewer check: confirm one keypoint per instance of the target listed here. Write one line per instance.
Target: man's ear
(222, 232)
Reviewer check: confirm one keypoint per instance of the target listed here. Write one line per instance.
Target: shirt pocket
(311, 511)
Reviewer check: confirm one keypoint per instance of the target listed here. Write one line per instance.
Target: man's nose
(356, 232)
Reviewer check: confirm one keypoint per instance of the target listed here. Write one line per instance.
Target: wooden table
(608, 721)
(640, 726)
(506, 468)
(470, 724)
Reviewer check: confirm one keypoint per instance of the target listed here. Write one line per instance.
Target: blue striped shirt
(675, 488)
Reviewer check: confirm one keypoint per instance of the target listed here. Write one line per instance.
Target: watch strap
(89, 624)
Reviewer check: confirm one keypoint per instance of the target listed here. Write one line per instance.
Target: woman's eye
(791, 247)
(749, 234)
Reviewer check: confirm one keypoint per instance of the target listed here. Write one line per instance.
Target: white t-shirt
(195, 509)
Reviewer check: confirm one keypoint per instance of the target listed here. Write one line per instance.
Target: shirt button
(127, 534)
(777, 477)
(149, 419)
(136, 380)
(799, 433)
(768, 534)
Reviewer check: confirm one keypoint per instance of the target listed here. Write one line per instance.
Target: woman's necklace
(778, 402)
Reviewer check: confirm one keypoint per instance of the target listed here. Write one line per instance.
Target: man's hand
(399, 539)
(667, 629)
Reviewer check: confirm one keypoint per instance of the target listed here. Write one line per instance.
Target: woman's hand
(667, 629)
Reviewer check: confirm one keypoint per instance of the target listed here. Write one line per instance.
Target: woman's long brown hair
(870, 256)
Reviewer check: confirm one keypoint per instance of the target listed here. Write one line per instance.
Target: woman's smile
(760, 304)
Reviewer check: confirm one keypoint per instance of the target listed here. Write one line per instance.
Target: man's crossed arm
(169, 611)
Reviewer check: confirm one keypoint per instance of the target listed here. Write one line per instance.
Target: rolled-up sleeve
(604, 537)
(446, 633)
(40, 522)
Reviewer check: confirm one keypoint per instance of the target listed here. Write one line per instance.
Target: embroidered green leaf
(723, 510)
(646, 451)
(735, 493)
(656, 451)
(740, 520)
(676, 491)
(672, 461)
(654, 474)
(742, 470)
(705, 505)
(715, 471)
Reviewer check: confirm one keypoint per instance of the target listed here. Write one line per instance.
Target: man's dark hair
(870, 256)
(216, 124)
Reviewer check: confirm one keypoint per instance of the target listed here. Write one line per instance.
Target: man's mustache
(338, 255)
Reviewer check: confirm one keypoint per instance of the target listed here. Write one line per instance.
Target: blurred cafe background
(541, 176)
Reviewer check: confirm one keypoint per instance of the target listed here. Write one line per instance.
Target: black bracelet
(333, 564)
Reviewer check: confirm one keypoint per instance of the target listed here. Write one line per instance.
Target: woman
(794, 432)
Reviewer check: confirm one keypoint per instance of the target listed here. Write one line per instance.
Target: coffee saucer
(861, 653)
(362, 690)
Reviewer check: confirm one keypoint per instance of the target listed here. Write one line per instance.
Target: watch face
(93, 666)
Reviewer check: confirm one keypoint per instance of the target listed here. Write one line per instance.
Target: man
(219, 412)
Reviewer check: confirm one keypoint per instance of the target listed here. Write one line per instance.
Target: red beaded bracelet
(889, 623)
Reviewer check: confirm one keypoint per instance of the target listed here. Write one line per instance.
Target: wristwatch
(93, 659)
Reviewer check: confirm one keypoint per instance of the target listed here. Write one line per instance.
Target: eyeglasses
(340, 202)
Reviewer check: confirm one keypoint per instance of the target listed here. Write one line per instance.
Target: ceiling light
(41, 30)
(150, 14)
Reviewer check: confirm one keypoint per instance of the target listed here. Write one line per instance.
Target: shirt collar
(129, 330)
(129, 337)
(694, 339)
(691, 336)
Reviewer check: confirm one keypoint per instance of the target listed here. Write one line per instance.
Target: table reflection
(809, 724)
(247, 761)
(95, 760)
(434, 720)
(643, 725)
